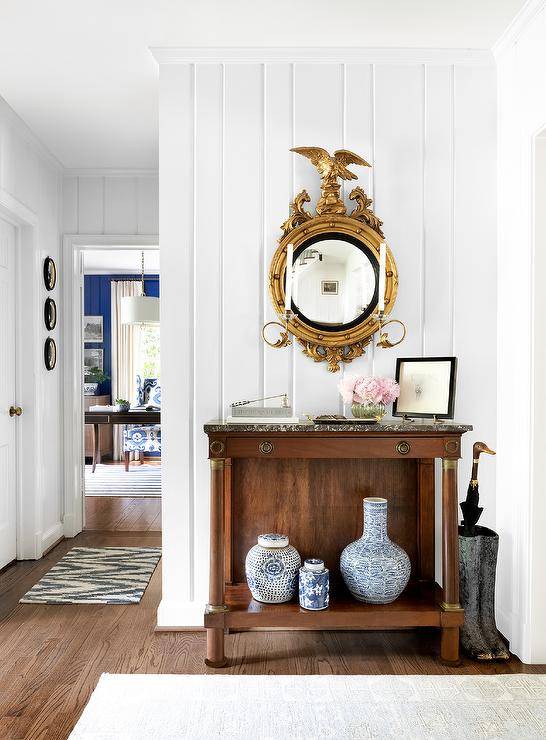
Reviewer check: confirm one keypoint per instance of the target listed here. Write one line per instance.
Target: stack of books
(262, 415)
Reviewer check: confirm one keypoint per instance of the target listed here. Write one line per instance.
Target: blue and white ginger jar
(314, 585)
(271, 569)
(375, 570)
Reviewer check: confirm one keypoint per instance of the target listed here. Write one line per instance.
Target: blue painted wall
(97, 302)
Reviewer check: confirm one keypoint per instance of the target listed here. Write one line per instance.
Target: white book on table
(262, 420)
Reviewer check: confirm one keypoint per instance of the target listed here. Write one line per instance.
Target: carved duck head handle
(480, 447)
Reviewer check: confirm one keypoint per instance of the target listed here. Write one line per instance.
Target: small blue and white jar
(314, 585)
(375, 570)
(271, 569)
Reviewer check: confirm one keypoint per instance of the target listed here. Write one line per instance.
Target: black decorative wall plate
(50, 353)
(50, 314)
(50, 273)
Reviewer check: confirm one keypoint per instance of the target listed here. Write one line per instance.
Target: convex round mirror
(334, 282)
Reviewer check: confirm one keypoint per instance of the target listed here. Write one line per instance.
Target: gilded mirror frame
(363, 226)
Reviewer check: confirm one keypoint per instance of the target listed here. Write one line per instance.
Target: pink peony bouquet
(367, 389)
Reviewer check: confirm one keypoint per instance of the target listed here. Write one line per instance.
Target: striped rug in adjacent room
(114, 480)
(97, 575)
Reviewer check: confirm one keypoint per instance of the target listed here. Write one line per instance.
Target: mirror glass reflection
(334, 283)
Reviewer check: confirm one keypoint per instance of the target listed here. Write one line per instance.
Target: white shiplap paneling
(119, 203)
(243, 119)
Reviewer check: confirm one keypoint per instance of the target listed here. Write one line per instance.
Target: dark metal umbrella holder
(480, 638)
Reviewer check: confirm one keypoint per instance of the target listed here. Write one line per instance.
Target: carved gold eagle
(331, 166)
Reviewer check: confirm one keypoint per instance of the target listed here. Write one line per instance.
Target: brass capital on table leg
(216, 608)
(449, 464)
(450, 607)
(217, 463)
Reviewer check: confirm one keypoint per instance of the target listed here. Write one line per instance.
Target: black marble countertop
(387, 425)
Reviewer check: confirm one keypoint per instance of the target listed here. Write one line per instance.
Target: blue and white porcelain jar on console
(314, 585)
(375, 570)
(271, 569)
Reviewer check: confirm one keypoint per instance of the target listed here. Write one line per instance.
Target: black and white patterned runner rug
(114, 480)
(97, 575)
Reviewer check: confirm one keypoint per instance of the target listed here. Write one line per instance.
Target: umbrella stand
(480, 638)
(478, 549)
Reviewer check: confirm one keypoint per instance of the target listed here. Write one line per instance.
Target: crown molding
(10, 118)
(518, 26)
(320, 55)
(109, 172)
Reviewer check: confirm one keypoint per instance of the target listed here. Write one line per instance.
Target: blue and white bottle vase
(375, 570)
(314, 585)
(271, 569)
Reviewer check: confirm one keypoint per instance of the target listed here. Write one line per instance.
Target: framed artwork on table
(427, 387)
(93, 329)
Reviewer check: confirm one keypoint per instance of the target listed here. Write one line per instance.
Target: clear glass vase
(368, 410)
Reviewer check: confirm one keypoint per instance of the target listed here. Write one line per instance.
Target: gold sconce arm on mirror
(332, 280)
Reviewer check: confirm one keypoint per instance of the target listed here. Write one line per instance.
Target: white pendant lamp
(139, 309)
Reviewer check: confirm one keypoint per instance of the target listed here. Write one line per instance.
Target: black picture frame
(50, 314)
(439, 413)
(50, 353)
(50, 273)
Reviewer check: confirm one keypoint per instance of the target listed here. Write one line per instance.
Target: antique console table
(308, 481)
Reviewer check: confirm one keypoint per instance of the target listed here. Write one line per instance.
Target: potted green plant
(93, 377)
(122, 404)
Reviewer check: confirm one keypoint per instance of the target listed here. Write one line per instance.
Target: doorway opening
(121, 384)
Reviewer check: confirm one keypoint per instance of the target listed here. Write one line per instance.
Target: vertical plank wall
(111, 204)
(430, 132)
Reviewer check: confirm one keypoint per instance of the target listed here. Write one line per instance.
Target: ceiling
(113, 261)
(81, 75)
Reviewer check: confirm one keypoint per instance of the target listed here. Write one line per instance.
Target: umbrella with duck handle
(478, 548)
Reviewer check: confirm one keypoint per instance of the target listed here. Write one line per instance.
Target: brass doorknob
(15, 411)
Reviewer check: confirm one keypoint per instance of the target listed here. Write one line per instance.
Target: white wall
(226, 180)
(111, 203)
(30, 175)
(521, 58)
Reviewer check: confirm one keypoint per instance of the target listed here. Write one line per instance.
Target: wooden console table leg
(449, 650)
(215, 635)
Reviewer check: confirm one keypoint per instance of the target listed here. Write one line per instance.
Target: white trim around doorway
(28, 373)
(74, 246)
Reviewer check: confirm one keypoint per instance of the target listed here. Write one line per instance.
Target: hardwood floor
(123, 513)
(51, 657)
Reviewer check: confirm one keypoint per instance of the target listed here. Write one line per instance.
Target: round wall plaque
(50, 314)
(50, 353)
(50, 273)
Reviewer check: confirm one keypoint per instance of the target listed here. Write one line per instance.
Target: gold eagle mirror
(332, 279)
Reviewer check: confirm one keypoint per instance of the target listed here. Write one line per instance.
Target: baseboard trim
(157, 628)
(54, 545)
(51, 537)
(180, 616)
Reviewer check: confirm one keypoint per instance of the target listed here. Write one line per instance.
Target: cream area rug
(165, 707)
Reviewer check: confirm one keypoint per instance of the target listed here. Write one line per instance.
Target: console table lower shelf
(419, 606)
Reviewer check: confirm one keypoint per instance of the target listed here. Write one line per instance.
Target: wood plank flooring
(51, 657)
(123, 513)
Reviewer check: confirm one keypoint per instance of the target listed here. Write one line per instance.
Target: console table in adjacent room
(133, 416)
(308, 481)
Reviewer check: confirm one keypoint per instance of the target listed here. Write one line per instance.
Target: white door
(8, 424)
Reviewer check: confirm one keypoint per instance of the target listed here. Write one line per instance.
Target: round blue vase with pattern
(271, 569)
(375, 570)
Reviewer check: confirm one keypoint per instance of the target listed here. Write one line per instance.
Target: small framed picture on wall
(329, 287)
(427, 387)
(92, 329)
(93, 359)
